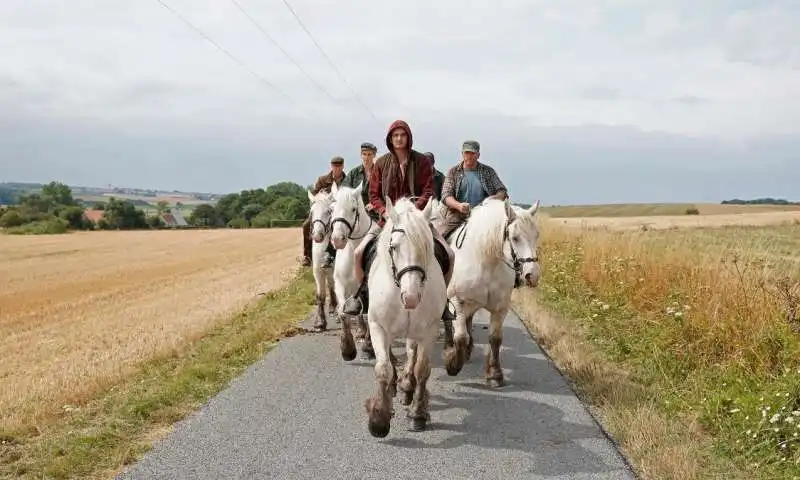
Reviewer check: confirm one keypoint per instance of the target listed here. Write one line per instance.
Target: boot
(330, 257)
(358, 303)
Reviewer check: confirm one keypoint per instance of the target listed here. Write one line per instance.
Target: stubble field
(80, 311)
(684, 338)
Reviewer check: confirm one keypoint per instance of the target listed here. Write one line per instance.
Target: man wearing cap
(403, 172)
(438, 177)
(468, 184)
(361, 173)
(323, 184)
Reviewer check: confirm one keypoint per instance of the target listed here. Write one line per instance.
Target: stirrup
(352, 306)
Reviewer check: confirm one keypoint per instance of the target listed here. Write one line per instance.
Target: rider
(323, 184)
(361, 173)
(403, 172)
(438, 177)
(468, 184)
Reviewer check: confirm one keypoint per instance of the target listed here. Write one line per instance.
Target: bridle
(326, 226)
(516, 262)
(351, 227)
(397, 275)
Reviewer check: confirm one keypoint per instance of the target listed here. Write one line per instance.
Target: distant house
(174, 219)
(93, 216)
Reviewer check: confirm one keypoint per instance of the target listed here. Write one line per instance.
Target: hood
(404, 126)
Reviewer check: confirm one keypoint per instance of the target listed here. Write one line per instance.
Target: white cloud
(723, 69)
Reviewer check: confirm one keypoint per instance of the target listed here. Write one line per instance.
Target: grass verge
(97, 439)
(688, 356)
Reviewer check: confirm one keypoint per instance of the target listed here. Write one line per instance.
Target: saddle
(370, 251)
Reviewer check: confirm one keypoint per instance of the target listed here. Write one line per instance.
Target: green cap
(471, 146)
(337, 161)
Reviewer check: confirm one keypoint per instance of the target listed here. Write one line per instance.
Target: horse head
(320, 214)
(348, 210)
(523, 237)
(406, 245)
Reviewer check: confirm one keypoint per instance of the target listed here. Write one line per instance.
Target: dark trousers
(307, 238)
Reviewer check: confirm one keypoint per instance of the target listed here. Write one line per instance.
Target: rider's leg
(307, 241)
(359, 302)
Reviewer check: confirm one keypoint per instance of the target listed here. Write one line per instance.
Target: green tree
(204, 215)
(123, 215)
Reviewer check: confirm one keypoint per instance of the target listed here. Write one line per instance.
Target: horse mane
(486, 227)
(347, 197)
(416, 229)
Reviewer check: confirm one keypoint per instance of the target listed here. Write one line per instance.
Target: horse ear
(428, 210)
(334, 188)
(310, 197)
(391, 213)
(532, 211)
(510, 213)
(359, 187)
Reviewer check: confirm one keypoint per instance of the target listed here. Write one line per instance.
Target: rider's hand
(368, 207)
(463, 207)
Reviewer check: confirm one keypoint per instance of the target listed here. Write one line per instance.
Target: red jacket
(386, 178)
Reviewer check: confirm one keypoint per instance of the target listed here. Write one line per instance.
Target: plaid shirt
(489, 180)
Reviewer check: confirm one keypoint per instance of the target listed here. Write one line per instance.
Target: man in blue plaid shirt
(466, 185)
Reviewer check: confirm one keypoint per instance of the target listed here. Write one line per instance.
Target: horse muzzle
(531, 280)
(410, 301)
(339, 241)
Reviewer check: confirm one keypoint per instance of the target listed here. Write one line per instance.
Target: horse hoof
(348, 352)
(495, 382)
(418, 424)
(379, 429)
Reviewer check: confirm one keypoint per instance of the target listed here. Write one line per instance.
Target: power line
(239, 62)
(286, 54)
(296, 17)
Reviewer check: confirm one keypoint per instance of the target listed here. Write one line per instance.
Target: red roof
(93, 215)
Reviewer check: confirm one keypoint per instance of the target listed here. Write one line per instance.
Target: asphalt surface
(298, 414)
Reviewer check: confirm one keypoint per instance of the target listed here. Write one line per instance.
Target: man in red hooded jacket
(402, 172)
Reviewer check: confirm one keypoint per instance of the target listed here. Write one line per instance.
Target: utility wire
(286, 54)
(239, 62)
(355, 95)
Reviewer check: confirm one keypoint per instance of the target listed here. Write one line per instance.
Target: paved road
(298, 414)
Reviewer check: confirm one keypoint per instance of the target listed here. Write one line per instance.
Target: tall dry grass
(709, 331)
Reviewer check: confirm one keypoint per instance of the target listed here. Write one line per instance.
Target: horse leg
(347, 344)
(379, 405)
(332, 300)
(419, 410)
(456, 356)
(471, 343)
(491, 367)
(367, 350)
(407, 380)
(321, 322)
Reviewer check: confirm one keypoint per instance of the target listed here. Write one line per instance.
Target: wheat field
(80, 311)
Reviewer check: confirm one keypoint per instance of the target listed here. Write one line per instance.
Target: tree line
(53, 209)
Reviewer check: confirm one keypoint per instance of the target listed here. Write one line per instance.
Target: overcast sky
(647, 100)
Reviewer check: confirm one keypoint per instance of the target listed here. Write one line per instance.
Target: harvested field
(675, 221)
(79, 311)
(659, 209)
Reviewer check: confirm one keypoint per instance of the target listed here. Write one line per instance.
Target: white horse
(321, 204)
(349, 225)
(407, 294)
(496, 252)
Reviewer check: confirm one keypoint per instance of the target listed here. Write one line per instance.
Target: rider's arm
(375, 189)
(497, 188)
(448, 190)
(425, 177)
(317, 186)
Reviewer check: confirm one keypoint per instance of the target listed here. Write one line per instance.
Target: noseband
(397, 275)
(351, 227)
